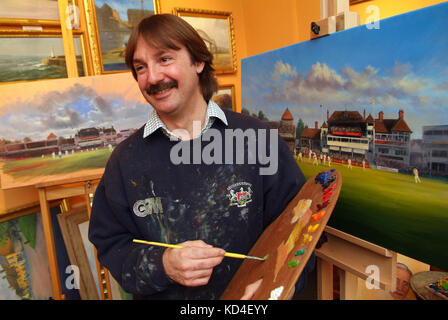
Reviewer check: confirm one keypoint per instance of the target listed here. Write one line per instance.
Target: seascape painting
(57, 129)
(23, 59)
(371, 104)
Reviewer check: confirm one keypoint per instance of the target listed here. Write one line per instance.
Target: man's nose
(155, 75)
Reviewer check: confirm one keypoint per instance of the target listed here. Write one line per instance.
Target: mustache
(155, 88)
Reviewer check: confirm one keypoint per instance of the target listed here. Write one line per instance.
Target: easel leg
(51, 249)
(324, 280)
(349, 285)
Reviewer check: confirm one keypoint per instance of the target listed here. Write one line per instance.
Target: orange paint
(318, 216)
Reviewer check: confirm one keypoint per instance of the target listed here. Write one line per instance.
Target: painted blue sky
(403, 65)
(121, 6)
(64, 106)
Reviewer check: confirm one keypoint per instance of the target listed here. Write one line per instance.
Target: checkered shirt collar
(154, 122)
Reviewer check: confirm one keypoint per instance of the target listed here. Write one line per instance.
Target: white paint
(276, 293)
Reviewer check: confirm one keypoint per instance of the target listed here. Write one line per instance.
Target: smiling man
(208, 208)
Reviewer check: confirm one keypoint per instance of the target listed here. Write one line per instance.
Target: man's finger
(202, 252)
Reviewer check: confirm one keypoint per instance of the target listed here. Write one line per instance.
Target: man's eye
(138, 68)
(165, 59)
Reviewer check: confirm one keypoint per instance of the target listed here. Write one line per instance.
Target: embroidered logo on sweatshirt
(142, 208)
(240, 194)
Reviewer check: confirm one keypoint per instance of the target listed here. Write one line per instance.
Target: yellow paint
(294, 236)
(307, 238)
(299, 210)
(311, 228)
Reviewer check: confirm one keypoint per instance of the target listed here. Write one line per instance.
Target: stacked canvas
(335, 15)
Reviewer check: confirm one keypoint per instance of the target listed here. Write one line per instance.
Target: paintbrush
(176, 246)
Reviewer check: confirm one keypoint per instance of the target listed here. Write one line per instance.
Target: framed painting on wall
(29, 9)
(114, 21)
(217, 31)
(225, 97)
(35, 58)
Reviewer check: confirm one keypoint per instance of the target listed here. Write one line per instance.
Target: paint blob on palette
(289, 241)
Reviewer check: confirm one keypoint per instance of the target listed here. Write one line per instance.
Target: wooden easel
(353, 256)
(59, 190)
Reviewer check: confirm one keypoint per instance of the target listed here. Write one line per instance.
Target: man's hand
(193, 265)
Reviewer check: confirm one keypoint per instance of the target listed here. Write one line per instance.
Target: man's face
(403, 278)
(167, 78)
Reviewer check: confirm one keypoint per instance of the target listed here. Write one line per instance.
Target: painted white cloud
(282, 69)
(65, 112)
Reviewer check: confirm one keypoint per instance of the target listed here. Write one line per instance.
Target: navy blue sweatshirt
(143, 195)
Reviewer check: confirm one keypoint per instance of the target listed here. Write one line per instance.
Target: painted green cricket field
(37, 167)
(391, 210)
(385, 208)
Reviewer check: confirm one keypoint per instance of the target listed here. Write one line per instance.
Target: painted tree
(299, 128)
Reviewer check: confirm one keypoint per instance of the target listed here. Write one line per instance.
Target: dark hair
(170, 31)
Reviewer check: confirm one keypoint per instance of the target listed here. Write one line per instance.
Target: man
(416, 177)
(144, 194)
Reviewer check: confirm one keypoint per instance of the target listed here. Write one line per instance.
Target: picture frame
(24, 266)
(225, 97)
(109, 24)
(352, 2)
(217, 30)
(94, 281)
(69, 222)
(42, 11)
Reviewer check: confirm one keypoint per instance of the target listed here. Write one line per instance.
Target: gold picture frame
(94, 31)
(225, 97)
(217, 30)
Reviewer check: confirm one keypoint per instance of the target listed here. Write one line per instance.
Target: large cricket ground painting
(373, 105)
(58, 129)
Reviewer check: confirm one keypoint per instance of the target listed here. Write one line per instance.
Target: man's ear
(199, 67)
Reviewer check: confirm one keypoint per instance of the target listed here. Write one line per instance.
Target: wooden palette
(284, 240)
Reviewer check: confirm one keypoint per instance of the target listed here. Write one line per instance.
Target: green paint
(266, 257)
(293, 263)
(300, 252)
(444, 285)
